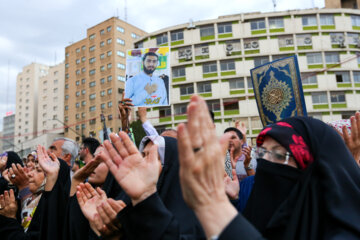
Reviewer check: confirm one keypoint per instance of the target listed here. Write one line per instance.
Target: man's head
(88, 148)
(236, 139)
(65, 149)
(150, 62)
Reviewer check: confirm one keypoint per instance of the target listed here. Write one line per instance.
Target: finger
(115, 160)
(116, 205)
(194, 125)
(6, 198)
(186, 154)
(234, 175)
(85, 191)
(12, 196)
(80, 199)
(354, 128)
(119, 146)
(345, 134)
(40, 153)
(2, 201)
(11, 171)
(99, 225)
(81, 193)
(91, 190)
(224, 141)
(101, 193)
(153, 154)
(129, 145)
(53, 157)
(104, 217)
(110, 212)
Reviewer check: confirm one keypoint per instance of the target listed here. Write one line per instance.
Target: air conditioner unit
(181, 54)
(185, 54)
(247, 45)
(229, 48)
(191, 24)
(307, 40)
(254, 44)
(341, 41)
(289, 41)
(205, 50)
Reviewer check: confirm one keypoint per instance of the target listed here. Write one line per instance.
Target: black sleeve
(240, 228)
(149, 219)
(11, 229)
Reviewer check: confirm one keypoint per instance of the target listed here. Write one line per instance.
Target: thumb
(234, 175)
(153, 154)
(224, 141)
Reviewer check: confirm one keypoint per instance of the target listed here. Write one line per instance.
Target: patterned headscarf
(338, 125)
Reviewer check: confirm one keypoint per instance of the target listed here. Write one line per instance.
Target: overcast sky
(39, 30)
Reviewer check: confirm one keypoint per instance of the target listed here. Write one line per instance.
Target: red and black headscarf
(284, 133)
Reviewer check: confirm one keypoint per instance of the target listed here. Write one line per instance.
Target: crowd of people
(300, 181)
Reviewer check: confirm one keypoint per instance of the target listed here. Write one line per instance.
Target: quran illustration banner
(148, 76)
(278, 90)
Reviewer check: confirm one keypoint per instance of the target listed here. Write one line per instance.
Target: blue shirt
(135, 89)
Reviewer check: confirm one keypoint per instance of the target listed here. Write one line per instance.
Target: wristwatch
(249, 167)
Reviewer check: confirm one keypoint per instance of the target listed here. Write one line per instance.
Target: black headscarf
(320, 200)
(13, 158)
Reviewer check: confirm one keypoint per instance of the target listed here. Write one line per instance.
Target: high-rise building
(342, 4)
(8, 133)
(27, 90)
(213, 58)
(94, 77)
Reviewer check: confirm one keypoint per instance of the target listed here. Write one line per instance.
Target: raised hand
(136, 175)
(142, 111)
(8, 205)
(50, 165)
(89, 199)
(232, 186)
(201, 157)
(124, 111)
(18, 176)
(353, 140)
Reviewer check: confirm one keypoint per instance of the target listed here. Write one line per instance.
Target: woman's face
(98, 177)
(30, 163)
(278, 152)
(36, 178)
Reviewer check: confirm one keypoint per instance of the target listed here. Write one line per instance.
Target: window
(309, 20)
(337, 38)
(187, 89)
(231, 104)
(120, 41)
(178, 72)
(92, 108)
(204, 87)
(319, 97)
(249, 83)
(276, 23)
(77, 93)
(286, 41)
(92, 121)
(134, 36)
(353, 38)
(102, 44)
(342, 77)
(251, 44)
(67, 76)
(327, 19)
(102, 32)
(67, 54)
(120, 29)
(164, 112)
(109, 78)
(102, 56)
(308, 78)
(257, 24)
(83, 115)
(200, 50)
(102, 93)
(227, 65)
(102, 106)
(83, 47)
(224, 28)
(120, 53)
(66, 86)
(337, 97)
(83, 70)
(207, 30)
(92, 96)
(161, 39)
(109, 104)
(67, 65)
(177, 35)
(77, 72)
(213, 105)
(332, 57)
(109, 53)
(92, 72)
(77, 50)
(92, 60)
(121, 78)
(180, 109)
(109, 65)
(92, 84)
(77, 105)
(77, 127)
(77, 83)
(304, 40)
(66, 97)
(92, 36)
(260, 60)
(355, 20)
(83, 92)
(102, 80)
(356, 76)
(83, 103)
(108, 28)
(92, 48)
(109, 91)
(209, 67)
(314, 58)
(83, 59)
(121, 66)
(83, 81)
(236, 83)
(102, 68)
(56, 81)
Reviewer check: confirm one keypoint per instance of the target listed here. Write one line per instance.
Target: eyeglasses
(274, 156)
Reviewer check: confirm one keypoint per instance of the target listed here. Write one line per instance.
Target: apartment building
(94, 77)
(8, 133)
(213, 58)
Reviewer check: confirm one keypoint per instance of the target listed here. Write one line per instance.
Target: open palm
(50, 164)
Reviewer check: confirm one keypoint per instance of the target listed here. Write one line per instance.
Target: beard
(148, 71)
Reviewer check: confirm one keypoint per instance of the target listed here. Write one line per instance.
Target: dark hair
(91, 143)
(150, 54)
(237, 131)
(212, 115)
(13, 158)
